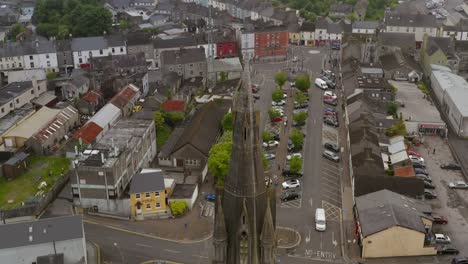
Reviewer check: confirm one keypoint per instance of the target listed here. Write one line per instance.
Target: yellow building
(149, 194)
(393, 225)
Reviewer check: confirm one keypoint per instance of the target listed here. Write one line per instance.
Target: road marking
(333, 239)
(172, 251)
(308, 237)
(199, 256)
(331, 198)
(332, 166)
(311, 202)
(330, 187)
(334, 180)
(321, 238)
(143, 245)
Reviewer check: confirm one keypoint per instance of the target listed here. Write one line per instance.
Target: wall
(152, 200)
(8, 63)
(388, 243)
(264, 42)
(190, 201)
(457, 120)
(117, 207)
(41, 61)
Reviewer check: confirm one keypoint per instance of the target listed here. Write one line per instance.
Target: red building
(226, 49)
(271, 43)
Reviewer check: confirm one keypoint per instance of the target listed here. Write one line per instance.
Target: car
(413, 153)
(301, 106)
(330, 102)
(330, 155)
(438, 219)
(424, 177)
(429, 185)
(282, 102)
(290, 184)
(329, 74)
(327, 111)
(290, 174)
(256, 96)
(331, 109)
(331, 115)
(450, 166)
(441, 239)
(421, 171)
(292, 84)
(460, 260)
(254, 90)
(448, 250)
(285, 96)
(270, 156)
(332, 147)
(289, 157)
(272, 143)
(289, 196)
(416, 158)
(330, 93)
(276, 136)
(418, 164)
(330, 122)
(211, 197)
(329, 97)
(321, 84)
(458, 185)
(428, 194)
(277, 119)
(295, 58)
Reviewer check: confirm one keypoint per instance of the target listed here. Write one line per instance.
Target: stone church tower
(245, 218)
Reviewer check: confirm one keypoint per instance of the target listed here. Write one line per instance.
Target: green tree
(300, 118)
(173, 118)
(227, 122)
(392, 109)
(226, 137)
(300, 98)
(124, 25)
(352, 17)
(158, 120)
(273, 113)
(219, 157)
(280, 78)
(178, 207)
(277, 95)
(267, 136)
(303, 82)
(297, 138)
(51, 75)
(15, 30)
(398, 129)
(295, 164)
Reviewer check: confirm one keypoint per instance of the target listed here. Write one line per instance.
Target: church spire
(268, 237)
(220, 234)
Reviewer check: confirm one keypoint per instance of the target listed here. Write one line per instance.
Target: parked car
(450, 166)
(458, 185)
(254, 90)
(332, 147)
(424, 177)
(290, 184)
(441, 239)
(289, 157)
(329, 97)
(273, 143)
(256, 96)
(330, 93)
(413, 153)
(416, 158)
(330, 155)
(321, 83)
(331, 109)
(290, 174)
(460, 260)
(421, 171)
(301, 106)
(428, 185)
(276, 136)
(428, 194)
(330, 102)
(270, 156)
(280, 103)
(330, 122)
(328, 112)
(329, 81)
(448, 250)
(438, 219)
(277, 119)
(211, 197)
(418, 164)
(289, 196)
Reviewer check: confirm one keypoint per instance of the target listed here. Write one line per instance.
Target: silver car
(331, 155)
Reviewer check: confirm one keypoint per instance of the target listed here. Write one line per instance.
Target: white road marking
(308, 237)
(333, 187)
(143, 245)
(199, 256)
(311, 202)
(333, 181)
(321, 238)
(331, 198)
(334, 242)
(172, 251)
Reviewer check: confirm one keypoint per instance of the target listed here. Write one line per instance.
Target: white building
(247, 44)
(458, 31)
(85, 48)
(451, 91)
(15, 95)
(365, 27)
(28, 55)
(416, 24)
(308, 33)
(60, 239)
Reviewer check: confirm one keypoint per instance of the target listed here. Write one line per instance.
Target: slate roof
(90, 43)
(385, 209)
(174, 43)
(41, 231)
(436, 43)
(183, 56)
(14, 89)
(410, 20)
(402, 40)
(147, 182)
(366, 24)
(18, 157)
(308, 27)
(341, 8)
(11, 49)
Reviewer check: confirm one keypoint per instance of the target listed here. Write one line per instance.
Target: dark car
(330, 82)
(288, 196)
(301, 106)
(330, 122)
(419, 165)
(331, 146)
(421, 171)
(438, 219)
(276, 136)
(450, 166)
(330, 112)
(460, 260)
(424, 177)
(331, 102)
(429, 185)
(448, 250)
(428, 194)
(210, 197)
(290, 174)
(256, 96)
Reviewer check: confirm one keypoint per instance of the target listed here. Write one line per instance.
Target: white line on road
(143, 245)
(332, 186)
(172, 251)
(331, 198)
(321, 238)
(330, 166)
(199, 256)
(311, 202)
(333, 180)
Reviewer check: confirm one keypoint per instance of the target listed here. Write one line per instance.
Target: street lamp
(120, 251)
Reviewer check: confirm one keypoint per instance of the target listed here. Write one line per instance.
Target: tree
(219, 158)
(124, 25)
(277, 95)
(300, 98)
(178, 207)
(51, 75)
(297, 138)
(226, 137)
(158, 120)
(273, 113)
(227, 122)
(295, 164)
(264, 161)
(303, 82)
(267, 136)
(280, 78)
(392, 109)
(174, 118)
(398, 129)
(352, 17)
(300, 118)
(15, 31)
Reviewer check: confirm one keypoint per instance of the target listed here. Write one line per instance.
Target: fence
(34, 208)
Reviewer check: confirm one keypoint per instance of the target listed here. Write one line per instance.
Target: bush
(393, 88)
(273, 113)
(392, 109)
(277, 95)
(227, 122)
(295, 164)
(399, 129)
(422, 86)
(178, 207)
(280, 78)
(173, 118)
(300, 118)
(303, 82)
(267, 136)
(301, 98)
(297, 138)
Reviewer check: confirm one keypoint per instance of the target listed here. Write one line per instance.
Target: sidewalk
(94, 253)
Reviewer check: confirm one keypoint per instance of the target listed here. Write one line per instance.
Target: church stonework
(245, 218)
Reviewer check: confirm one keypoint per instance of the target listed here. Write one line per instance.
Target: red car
(438, 219)
(254, 90)
(277, 119)
(328, 97)
(414, 153)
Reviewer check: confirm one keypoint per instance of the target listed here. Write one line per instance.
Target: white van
(321, 84)
(320, 221)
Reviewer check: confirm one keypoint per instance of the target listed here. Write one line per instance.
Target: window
(191, 64)
(156, 194)
(47, 56)
(48, 63)
(32, 64)
(191, 162)
(31, 57)
(113, 50)
(148, 206)
(147, 195)
(3, 110)
(11, 105)
(20, 65)
(138, 196)
(191, 72)
(80, 60)
(100, 52)
(32, 91)
(170, 69)
(158, 205)
(121, 49)
(79, 53)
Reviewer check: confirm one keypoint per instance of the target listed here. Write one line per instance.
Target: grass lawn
(41, 168)
(162, 135)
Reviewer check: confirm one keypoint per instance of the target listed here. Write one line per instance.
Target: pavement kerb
(98, 250)
(156, 261)
(185, 241)
(298, 235)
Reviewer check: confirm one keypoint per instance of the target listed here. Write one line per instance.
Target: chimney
(35, 85)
